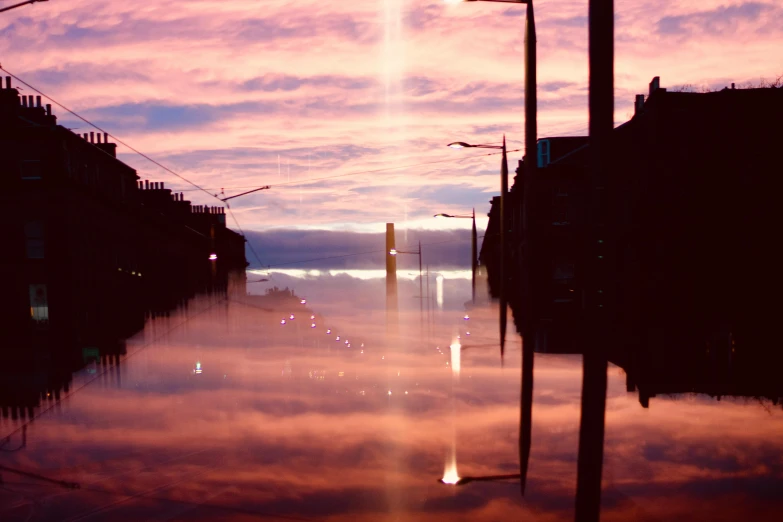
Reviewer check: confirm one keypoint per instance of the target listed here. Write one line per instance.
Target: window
(543, 153)
(33, 231)
(30, 169)
(39, 305)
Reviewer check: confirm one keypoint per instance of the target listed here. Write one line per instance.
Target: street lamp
(531, 133)
(473, 243)
(394, 252)
(503, 230)
(2, 9)
(531, 127)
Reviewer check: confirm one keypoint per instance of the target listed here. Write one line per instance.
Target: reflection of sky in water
(284, 420)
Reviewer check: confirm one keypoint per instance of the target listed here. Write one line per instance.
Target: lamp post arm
(3, 9)
(245, 193)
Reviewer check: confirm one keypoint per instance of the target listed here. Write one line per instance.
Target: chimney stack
(161, 186)
(655, 84)
(92, 137)
(24, 101)
(639, 104)
(181, 196)
(86, 137)
(37, 101)
(48, 109)
(98, 138)
(146, 184)
(105, 137)
(7, 82)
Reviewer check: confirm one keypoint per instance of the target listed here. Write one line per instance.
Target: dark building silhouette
(691, 189)
(90, 249)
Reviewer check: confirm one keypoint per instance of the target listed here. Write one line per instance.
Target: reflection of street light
(20, 5)
(473, 241)
(461, 481)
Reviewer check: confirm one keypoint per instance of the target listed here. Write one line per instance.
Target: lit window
(33, 231)
(543, 153)
(39, 305)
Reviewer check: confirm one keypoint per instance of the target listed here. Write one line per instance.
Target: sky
(237, 94)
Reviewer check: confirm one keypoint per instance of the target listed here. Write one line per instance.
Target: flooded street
(254, 404)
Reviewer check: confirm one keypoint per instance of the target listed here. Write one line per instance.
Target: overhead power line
(115, 138)
(358, 173)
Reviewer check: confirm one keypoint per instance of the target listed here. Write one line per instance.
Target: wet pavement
(317, 402)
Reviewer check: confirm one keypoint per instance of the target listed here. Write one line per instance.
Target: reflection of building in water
(91, 249)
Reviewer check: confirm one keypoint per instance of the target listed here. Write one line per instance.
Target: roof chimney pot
(48, 109)
(146, 184)
(92, 137)
(37, 101)
(655, 84)
(106, 137)
(638, 105)
(7, 82)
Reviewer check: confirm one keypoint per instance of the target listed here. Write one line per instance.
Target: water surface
(222, 412)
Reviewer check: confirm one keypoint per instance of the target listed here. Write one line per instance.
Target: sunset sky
(237, 94)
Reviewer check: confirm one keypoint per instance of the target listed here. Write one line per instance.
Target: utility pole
(599, 263)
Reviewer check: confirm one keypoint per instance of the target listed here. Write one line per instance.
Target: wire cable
(118, 140)
(373, 171)
(206, 191)
(249, 244)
